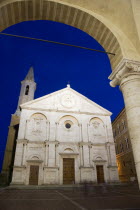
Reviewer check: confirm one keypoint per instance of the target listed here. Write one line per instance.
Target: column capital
(124, 69)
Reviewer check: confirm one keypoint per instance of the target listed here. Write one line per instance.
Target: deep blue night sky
(54, 65)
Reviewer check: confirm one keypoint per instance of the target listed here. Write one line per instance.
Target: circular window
(68, 125)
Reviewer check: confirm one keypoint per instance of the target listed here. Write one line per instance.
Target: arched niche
(68, 150)
(35, 158)
(97, 26)
(68, 129)
(69, 118)
(97, 130)
(95, 119)
(98, 158)
(36, 129)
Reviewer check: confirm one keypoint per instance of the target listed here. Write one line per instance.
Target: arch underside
(20, 11)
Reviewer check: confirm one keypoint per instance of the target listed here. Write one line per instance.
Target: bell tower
(28, 87)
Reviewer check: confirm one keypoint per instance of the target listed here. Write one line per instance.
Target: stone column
(108, 153)
(86, 155)
(24, 153)
(90, 157)
(51, 160)
(127, 75)
(81, 133)
(47, 135)
(81, 155)
(48, 131)
(88, 131)
(46, 153)
(56, 154)
(56, 128)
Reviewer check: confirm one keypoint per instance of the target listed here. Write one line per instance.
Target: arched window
(27, 90)
(118, 126)
(117, 150)
(114, 133)
(123, 125)
(121, 147)
(68, 124)
(127, 143)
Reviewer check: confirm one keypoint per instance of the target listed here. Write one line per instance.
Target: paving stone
(119, 198)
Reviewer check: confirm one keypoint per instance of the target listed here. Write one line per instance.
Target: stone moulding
(86, 167)
(23, 166)
(63, 111)
(124, 69)
(22, 140)
(67, 153)
(85, 143)
(99, 161)
(35, 161)
(49, 167)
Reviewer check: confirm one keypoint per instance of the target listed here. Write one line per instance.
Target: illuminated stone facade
(64, 125)
(124, 155)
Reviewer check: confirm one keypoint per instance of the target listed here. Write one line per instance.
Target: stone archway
(13, 11)
(125, 64)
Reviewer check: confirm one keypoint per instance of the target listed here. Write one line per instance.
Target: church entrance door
(33, 178)
(100, 174)
(68, 171)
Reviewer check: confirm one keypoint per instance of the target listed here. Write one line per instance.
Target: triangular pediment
(67, 100)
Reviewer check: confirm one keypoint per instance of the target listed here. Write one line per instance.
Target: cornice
(65, 111)
(82, 143)
(24, 141)
(35, 161)
(124, 153)
(119, 117)
(99, 161)
(57, 143)
(86, 167)
(69, 154)
(123, 70)
(22, 166)
(49, 167)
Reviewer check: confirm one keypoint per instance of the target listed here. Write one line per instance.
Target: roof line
(118, 114)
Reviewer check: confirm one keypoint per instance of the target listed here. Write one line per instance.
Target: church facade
(63, 138)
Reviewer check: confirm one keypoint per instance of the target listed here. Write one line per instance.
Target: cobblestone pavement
(86, 198)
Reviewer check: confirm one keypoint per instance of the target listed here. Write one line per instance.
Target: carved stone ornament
(95, 124)
(133, 67)
(123, 70)
(68, 101)
(37, 128)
